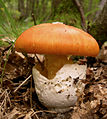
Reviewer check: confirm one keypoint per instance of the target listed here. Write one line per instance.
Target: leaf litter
(18, 99)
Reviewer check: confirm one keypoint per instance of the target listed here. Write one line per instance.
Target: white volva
(60, 93)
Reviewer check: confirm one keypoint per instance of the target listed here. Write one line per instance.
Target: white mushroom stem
(61, 92)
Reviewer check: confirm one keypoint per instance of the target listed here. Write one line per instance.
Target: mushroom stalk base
(61, 92)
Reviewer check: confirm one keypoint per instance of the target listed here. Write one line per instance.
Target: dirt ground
(18, 99)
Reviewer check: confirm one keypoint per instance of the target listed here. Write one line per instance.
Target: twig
(33, 17)
(83, 22)
(22, 83)
(32, 12)
(7, 48)
(41, 64)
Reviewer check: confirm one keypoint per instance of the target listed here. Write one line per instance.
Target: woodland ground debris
(22, 104)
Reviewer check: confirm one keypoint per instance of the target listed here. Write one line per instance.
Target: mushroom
(59, 81)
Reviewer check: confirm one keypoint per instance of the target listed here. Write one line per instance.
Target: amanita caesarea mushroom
(59, 80)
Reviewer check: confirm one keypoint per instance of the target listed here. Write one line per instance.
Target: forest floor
(18, 99)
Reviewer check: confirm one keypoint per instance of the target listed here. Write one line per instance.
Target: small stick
(22, 83)
(83, 21)
(41, 64)
(7, 48)
(33, 17)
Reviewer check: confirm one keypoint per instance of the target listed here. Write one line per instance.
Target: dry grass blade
(2, 94)
(28, 115)
(35, 114)
(53, 112)
(14, 114)
(22, 83)
(4, 101)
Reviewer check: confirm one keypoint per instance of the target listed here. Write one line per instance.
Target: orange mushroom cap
(57, 39)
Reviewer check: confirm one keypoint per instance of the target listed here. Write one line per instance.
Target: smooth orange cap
(57, 39)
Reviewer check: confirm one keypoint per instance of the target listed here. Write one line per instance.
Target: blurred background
(18, 15)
